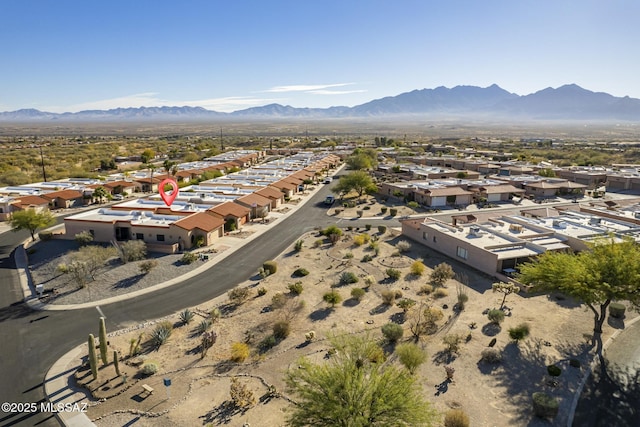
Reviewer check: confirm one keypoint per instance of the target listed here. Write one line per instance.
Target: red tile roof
(63, 194)
(229, 209)
(253, 198)
(271, 193)
(200, 220)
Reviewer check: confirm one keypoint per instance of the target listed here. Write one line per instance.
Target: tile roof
(30, 201)
(252, 198)
(229, 209)
(200, 220)
(270, 192)
(63, 194)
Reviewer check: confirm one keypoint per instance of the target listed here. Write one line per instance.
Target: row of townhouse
(201, 214)
(498, 245)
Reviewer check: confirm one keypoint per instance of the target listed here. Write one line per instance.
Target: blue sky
(68, 55)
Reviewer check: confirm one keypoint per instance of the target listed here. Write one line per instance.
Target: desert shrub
(462, 300)
(300, 272)
(393, 273)
(262, 291)
(188, 258)
(238, 295)
(411, 356)
(132, 250)
(393, 211)
(318, 243)
(544, 405)
(349, 227)
(382, 228)
(186, 316)
(267, 343)
(405, 304)
(388, 296)
(574, 363)
(161, 333)
(45, 235)
(491, 356)
(392, 332)
(240, 394)
(215, 314)
(456, 418)
(309, 336)
(417, 268)
(278, 300)
(425, 290)
(495, 316)
(519, 332)
(332, 229)
(554, 370)
(146, 266)
(357, 293)
(348, 255)
(203, 326)
(369, 280)
(441, 274)
(149, 369)
(296, 288)
(83, 238)
(270, 266)
(367, 258)
(413, 204)
(383, 210)
(348, 277)
(359, 213)
(281, 329)
(367, 226)
(332, 298)
(452, 341)
(239, 352)
(440, 293)
(361, 239)
(617, 310)
(374, 246)
(298, 245)
(403, 246)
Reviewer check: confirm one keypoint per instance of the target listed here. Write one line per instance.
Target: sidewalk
(57, 383)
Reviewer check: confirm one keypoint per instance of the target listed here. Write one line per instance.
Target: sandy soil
(492, 395)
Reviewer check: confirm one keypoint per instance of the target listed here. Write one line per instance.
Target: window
(425, 236)
(434, 239)
(461, 252)
(140, 236)
(160, 237)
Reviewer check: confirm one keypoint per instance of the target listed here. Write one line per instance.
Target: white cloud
(335, 92)
(305, 88)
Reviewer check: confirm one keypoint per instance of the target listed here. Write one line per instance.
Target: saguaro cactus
(115, 362)
(93, 358)
(103, 342)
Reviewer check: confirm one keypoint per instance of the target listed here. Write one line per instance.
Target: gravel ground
(115, 279)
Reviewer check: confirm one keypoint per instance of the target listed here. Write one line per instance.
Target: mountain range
(568, 102)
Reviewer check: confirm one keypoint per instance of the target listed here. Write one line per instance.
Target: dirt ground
(492, 395)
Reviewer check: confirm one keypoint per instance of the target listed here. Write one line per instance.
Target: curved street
(34, 340)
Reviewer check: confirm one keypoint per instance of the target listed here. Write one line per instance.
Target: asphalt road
(31, 341)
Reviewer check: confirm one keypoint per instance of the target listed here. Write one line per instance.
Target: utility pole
(221, 142)
(44, 173)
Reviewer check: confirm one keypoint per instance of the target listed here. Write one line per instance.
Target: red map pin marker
(168, 198)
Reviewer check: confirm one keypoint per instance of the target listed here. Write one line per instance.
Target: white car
(327, 180)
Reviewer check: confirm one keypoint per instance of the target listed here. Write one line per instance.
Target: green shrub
(270, 266)
(186, 316)
(574, 363)
(268, 343)
(281, 329)
(554, 370)
(417, 268)
(392, 332)
(301, 272)
(452, 341)
(440, 293)
(367, 258)
(262, 291)
(45, 235)
(361, 239)
(149, 369)
(413, 205)
(83, 238)
(348, 277)
(358, 293)
(393, 274)
(393, 211)
(367, 227)
(215, 314)
(359, 213)
(456, 418)
(132, 250)
(278, 300)
(519, 332)
(161, 333)
(405, 304)
(296, 288)
(348, 255)
(617, 310)
(238, 295)
(332, 298)
(318, 243)
(188, 258)
(332, 229)
(495, 316)
(411, 356)
(383, 210)
(544, 405)
(425, 290)
(298, 246)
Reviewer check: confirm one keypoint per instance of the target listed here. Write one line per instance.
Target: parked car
(329, 200)
(118, 197)
(327, 180)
